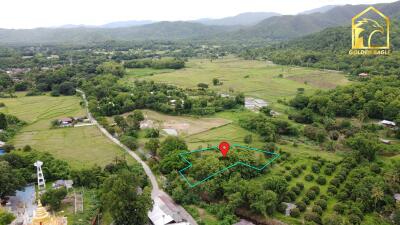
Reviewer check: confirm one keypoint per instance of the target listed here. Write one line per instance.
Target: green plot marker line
(262, 167)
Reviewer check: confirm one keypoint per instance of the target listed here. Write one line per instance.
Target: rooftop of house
(387, 122)
(67, 120)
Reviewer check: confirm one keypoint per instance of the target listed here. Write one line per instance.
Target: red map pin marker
(224, 148)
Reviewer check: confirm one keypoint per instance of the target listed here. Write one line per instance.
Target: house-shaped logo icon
(370, 33)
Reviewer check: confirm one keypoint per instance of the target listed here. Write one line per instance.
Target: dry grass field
(184, 125)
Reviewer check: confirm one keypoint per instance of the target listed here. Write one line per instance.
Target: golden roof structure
(42, 217)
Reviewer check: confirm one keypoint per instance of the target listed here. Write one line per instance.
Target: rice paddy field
(80, 146)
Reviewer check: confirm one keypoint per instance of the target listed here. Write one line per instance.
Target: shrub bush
(288, 178)
(54, 197)
(309, 177)
(332, 190)
(291, 195)
(321, 180)
(375, 168)
(342, 195)
(324, 197)
(396, 217)
(322, 203)
(129, 141)
(312, 217)
(315, 189)
(339, 208)
(315, 168)
(282, 208)
(356, 211)
(296, 190)
(335, 182)
(295, 212)
(295, 172)
(302, 206)
(6, 217)
(306, 200)
(27, 148)
(328, 171)
(152, 133)
(354, 219)
(311, 195)
(300, 185)
(317, 209)
(340, 177)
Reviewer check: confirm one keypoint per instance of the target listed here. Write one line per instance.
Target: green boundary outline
(182, 155)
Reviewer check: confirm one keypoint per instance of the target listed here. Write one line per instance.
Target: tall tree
(121, 195)
(3, 121)
(10, 180)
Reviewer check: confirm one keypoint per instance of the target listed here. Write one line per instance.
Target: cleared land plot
(80, 146)
(235, 134)
(254, 78)
(231, 133)
(132, 74)
(184, 125)
(316, 79)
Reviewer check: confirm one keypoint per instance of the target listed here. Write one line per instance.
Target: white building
(165, 212)
(63, 183)
(254, 104)
(171, 131)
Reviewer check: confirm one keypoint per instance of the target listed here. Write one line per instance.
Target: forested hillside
(329, 49)
(288, 26)
(155, 31)
(226, 30)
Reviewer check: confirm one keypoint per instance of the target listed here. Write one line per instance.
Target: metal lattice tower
(40, 177)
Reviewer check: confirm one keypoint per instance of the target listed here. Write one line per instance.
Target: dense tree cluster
(123, 190)
(17, 169)
(163, 63)
(378, 98)
(9, 125)
(53, 197)
(269, 128)
(122, 196)
(243, 189)
(107, 97)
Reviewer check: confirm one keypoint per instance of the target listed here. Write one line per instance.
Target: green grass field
(132, 74)
(80, 146)
(232, 133)
(254, 78)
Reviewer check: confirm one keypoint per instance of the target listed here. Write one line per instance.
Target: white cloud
(44, 13)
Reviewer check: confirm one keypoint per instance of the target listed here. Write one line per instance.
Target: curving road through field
(157, 194)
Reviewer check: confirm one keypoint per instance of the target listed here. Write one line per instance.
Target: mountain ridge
(278, 28)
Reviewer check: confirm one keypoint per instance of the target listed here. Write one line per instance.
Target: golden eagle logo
(369, 33)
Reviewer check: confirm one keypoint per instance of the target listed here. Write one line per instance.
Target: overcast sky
(46, 13)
